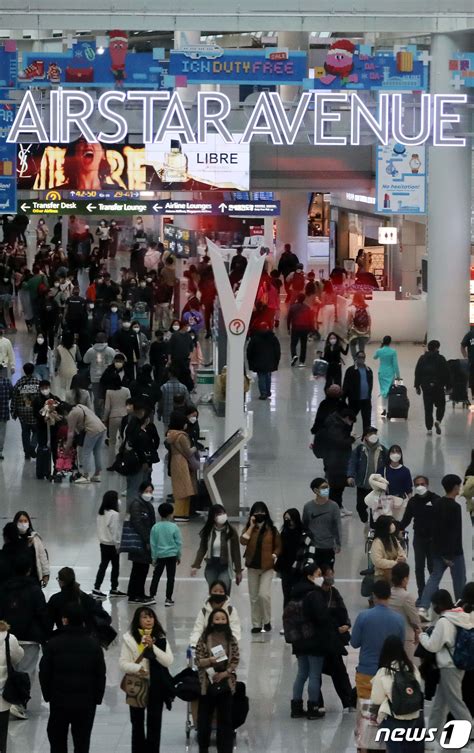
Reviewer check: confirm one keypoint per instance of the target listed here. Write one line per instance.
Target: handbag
(367, 726)
(131, 540)
(187, 686)
(218, 689)
(136, 689)
(18, 686)
(127, 462)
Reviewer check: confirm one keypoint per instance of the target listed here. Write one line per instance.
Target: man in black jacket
(72, 679)
(432, 378)
(357, 388)
(336, 442)
(263, 355)
(447, 542)
(420, 509)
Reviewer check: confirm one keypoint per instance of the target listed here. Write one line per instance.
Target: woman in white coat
(36, 548)
(16, 655)
(142, 645)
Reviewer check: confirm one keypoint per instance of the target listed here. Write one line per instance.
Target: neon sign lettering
(72, 110)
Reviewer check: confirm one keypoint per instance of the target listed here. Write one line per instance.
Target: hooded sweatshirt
(443, 638)
(99, 357)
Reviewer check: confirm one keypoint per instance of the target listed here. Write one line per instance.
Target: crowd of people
(89, 401)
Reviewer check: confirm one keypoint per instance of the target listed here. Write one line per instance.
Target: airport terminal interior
(146, 143)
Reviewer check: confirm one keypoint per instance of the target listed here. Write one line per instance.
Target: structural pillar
(449, 214)
(292, 224)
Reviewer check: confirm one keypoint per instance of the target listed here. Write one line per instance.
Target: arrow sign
(222, 207)
(156, 207)
(90, 207)
(25, 207)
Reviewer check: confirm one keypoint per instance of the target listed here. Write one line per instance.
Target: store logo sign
(71, 111)
(454, 735)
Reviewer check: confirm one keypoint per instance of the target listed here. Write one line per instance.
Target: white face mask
(147, 496)
(318, 581)
(126, 325)
(40, 340)
(175, 328)
(136, 330)
(45, 392)
(22, 527)
(332, 341)
(91, 306)
(221, 519)
(372, 439)
(114, 309)
(421, 490)
(143, 284)
(192, 419)
(395, 457)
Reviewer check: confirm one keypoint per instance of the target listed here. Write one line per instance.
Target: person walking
(67, 355)
(262, 547)
(7, 356)
(183, 464)
(6, 392)
(108, 533)
(217, 659)
(145, 654)
(35, 550)
(166, 545)
(98, 357)
(333, 352)
(447, 542)
(297, 547)
(467, 351)
(336, 441)
(142, 520)
(322, 519)
(358, 325)
(403, 602)
(263, 356)
(300, 323)
(72, 676)
(169, 390)
(441, 641)
(370, 456)
(386, 550)
(84, 426)
(357, 388)
(115, 409)
(16, 655)
(388, 369)
(432, 378)
(420, 509)
(219, 547)
(24, 393)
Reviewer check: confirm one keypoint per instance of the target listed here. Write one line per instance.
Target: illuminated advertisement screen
(180, 241)
(152, 167)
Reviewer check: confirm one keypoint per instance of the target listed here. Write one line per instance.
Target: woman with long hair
(393, 659)
(388, 369)
(218, 599)
(142, 520)
(219, 547)
(386, 549)
(297, 546)
(144, 650)
(67, 354)
(400, 483)
(358, 324)
(262, 544)
(333, 352)
(183, 463)
(78, 394)
(35, 547)
(217, 659)
(71, 592)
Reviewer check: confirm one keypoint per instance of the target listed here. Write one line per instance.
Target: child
(165, 543)
(108, 531)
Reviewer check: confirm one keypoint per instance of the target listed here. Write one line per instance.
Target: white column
(293, 40)
(449, 209)
(292, 224)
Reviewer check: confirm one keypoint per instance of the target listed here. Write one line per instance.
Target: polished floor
(280, 466)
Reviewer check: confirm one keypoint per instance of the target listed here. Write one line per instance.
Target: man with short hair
(371, 628)
(72, 677)
(420, 510)
(447, 542)
(169, 389)
(322, 519)
(369, 457)
(24, 393)
(432, 378)
(357, 387)
(98, 358)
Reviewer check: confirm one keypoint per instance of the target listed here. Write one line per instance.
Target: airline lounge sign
(72, 111)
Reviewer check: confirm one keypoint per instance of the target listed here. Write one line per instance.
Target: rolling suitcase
(398, 402)
(43, 462)
(459, 374)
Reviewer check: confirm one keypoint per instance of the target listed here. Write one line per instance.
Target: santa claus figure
(118, 48)
(339, 61)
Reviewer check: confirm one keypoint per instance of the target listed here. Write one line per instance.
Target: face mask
(192, 419)
(114, 309)
(56, 284)
(323, 492)
(148, 279)
(395, 457)
(329, 580)
(147, 496)
(221, 519)
(136, 330)
(126, 325)
(143, 284)
(218, 628)
(372, 439)
(91, 306)
(218, 598)
(100, 280)
(175, 327)
(260, 517)
(45, 392)
(421, 490)
(318, 581)
(332, 341)
(392, 528)
(22, 527)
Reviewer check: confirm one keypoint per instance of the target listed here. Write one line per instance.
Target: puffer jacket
(203, 618)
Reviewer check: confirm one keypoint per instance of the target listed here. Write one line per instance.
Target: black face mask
(218, 598)
(260, 517)
(218, 628)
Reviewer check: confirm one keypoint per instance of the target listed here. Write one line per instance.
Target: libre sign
(71, 108)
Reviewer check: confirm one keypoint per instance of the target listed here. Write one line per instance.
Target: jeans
(264, 383)
(97, 393)
(260, 592)
(222, 705)
(108, 553)
(41, 371)
(93, 446)
(458, 574)
(359, 343)
(161, 563)
(217, 570)
(136, 584)
(423, 553)
(149, 742)
(433, 397)
(301, 337)
(28, 438)
(81, 721)
(309, 668)
(3, 431)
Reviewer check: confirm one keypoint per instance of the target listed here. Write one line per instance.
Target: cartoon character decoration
(339, 62)
(118, 48)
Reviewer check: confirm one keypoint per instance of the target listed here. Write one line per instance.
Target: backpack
(463, 654)
(407, 696)
(296, 625)
(361, 319)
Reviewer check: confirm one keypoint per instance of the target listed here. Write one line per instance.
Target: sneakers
(146, 599)
(116, 592)
(255, 630)
(423, 613)
(169, 602)
(294, 360)
(96, 478)
(429, 432)
(267, 627)
(98, 593)
(82, 480)
(181, 519)
(19, 712)
(301, 365)
(345, 513)
(437, 427)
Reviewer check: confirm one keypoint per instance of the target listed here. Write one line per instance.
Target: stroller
(66, 460)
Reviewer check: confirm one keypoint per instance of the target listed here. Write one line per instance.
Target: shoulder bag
(131, 541)
(18, 686)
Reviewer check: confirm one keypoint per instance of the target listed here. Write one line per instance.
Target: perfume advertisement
(79, 166)
(401, 179)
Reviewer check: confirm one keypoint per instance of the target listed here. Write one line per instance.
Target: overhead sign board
(216, 65)
(388, 236)
(401, 174)
(161, 207)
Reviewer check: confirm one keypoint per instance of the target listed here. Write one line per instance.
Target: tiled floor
(280, 468)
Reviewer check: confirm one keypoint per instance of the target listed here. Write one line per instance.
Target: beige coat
(404, 603)
(384, 559)
(67, 362)
(183, 479)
